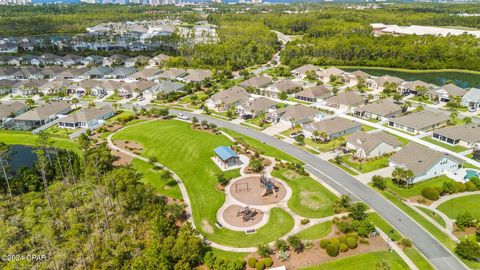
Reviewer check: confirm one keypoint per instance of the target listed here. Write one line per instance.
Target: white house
(86, 118)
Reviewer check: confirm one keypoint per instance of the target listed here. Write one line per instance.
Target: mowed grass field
(188, 153)
(27, 138)
(454, 207)
(367, 261)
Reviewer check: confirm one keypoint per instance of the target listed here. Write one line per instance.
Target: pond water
(21, 156)
(462, 79)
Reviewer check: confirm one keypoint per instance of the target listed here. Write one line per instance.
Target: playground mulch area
(249, 190)
(233, 217)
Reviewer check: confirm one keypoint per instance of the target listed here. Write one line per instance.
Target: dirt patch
(265, 163)
(290, 174)
(206, 227)
(309, 199)
(128, 145)
(467, 232)
(420, 199)
(233, 216)
(121, 158)
(249, 190)
(317, 255)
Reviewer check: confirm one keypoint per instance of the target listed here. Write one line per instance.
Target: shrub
(439, 189)
(307, 244)
(281, 245)
(342, 239)
(305, 221)
(475, 180)
(268, 262)
(430, 193)
(469, 186)
(263, 250)
(335, 242)
(283, 255)
(344, 227)
(358, 211)
(343, 247)
(460, 187)
(332, 250)
(295, 242)
(352, 235)
(252, 261)
(379, 182)
(449, 187)
(324, 243)
(351, 243)
(364, 241)
(364, 228)
(406, 242)
(260, 266)
(464, 220)
(468, 249)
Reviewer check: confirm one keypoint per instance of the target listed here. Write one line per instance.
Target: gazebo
(226, 156)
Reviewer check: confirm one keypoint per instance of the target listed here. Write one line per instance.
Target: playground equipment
(247, 213)
(268, 185)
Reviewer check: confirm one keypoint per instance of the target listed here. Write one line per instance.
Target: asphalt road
(440, 257)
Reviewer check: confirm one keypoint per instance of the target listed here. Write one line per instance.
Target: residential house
(333, 127)
(92, 60)
(172, 74)
(88, 118)
(196, 75)
(120, 72)
(163, 87)
(8, 47)
(419, 122)
(466, 135)
(226, 99)
(145, 74)
(444, 93)
(313, 94)
(472, 99)
(158, 60)
(97, 73)
(115, 60)
(127, 90)
(29, 87)
(51, 59)
(71, 60)
(73, 74)
(258, 83)
(345, 101)
(56, 87)
(379, 110)
(371, 145)
(85, 87)
(257, 106)
(6, 86)
(294, 115)
(379, 83)
(137, 61)
(414, 87)
(40, 116)
(328, 73)
(285, 86)
(10, 110)
(301, 72)
(424, 162)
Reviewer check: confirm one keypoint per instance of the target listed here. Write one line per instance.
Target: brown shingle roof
(368, 142)
(383, 108)
(346, 98)
(469, 133)
(333, 125)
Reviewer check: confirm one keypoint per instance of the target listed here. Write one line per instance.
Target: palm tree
(467, 120)
(115, 106)
(30, 102)
(453, 118)
(75, 101)
(406, 105)
(324, 136)
(315, 135)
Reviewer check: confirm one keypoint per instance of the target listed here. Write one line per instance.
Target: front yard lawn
(55, 129)
(454, 207)
(416, 189)
(421, 99)
(27, 138)
(259, 122)
(309, 198)
(325, 147)
(454, 148)
(365, 166)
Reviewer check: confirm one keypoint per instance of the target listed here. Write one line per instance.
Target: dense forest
(77, 211)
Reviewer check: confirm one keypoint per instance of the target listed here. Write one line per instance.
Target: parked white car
(183, 116)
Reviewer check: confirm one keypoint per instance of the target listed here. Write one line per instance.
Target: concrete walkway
(448, 221)
(413, 139)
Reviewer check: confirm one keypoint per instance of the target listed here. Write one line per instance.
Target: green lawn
(55, 129)
(434, 216)
(343, 167)
(309, 198)
(366, 128)
(416, 189)
(317, 231)
(167, 187)
(399, 138)
(298, 101)
(188, 153)
(456, 148)
(229, 255)
(262, 148)
(367, 261)
(258, 121)
(27, 138)
(120, 114)
(418, 259)
(328, 146)
(279, 224)
(384, 226)
(289, 131)
(365, 166)
(454, 207)
(421, 99)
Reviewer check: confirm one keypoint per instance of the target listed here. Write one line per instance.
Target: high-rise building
(15, 2)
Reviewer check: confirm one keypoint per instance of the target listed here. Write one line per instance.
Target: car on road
(246, 116)
(296, 134)
(471, 109)
(183, 116)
